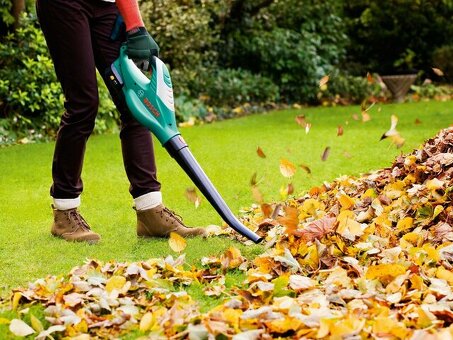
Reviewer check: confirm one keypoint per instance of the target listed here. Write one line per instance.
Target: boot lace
(80, 221)
(173, 214)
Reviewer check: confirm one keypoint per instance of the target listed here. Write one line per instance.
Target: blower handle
(179, 150)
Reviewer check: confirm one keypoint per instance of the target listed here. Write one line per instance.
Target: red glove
(131, 14)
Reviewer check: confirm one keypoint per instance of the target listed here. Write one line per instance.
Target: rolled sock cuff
(148, 201)
(66, 203)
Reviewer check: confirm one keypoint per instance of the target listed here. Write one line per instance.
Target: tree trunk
(16, 10)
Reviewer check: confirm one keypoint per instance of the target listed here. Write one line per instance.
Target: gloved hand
(141, 48)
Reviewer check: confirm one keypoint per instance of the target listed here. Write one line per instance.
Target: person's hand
(141, 48)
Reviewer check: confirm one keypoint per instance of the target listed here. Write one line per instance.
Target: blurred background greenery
(235, 57)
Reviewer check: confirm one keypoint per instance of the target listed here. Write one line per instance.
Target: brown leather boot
(71, 226)
(161, 221)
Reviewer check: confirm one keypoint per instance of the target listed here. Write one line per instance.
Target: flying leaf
(192, 196)
(20, 328)
(253, 181)
(256, 193)
(324, 80)
(307, 128)
(417, 121)
(339, 130)
(300, 119)
(306, 168)
(355, 116)
(438, 71)
(393, 134)
(325, 153)
(369, 78)
(177, 243)
(266, 209)
(260, 152)
(290, 189)
(365, 116)
(287, 168)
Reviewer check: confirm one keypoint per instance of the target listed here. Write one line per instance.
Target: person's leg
(65, 25)
(153, 219)
(66, 28)
(136, 141)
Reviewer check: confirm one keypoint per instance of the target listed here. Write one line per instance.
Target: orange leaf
(290, 220)
(287, 168)
(266, 209)
(177, 243)
(369, 78)
(324, 80)
(300, 119)
(256, 193)
(339, 130)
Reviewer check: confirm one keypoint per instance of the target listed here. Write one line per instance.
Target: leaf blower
(150, 100)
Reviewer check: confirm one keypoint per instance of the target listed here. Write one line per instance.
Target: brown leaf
(306, 168)
(325, 154)
(318, 229)
(287, 168)
(253, 179)
(290, 189)
(324, 80)
(417, 121)
(177, 243)
(339, 130)
(355, 116)
(438, 71)
(260, 152)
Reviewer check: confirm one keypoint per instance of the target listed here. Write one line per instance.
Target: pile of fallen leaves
(367, 257)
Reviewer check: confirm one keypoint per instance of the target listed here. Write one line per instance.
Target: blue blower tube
(178, 149)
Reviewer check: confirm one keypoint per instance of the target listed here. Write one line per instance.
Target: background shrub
(31, 100)
(443, 59)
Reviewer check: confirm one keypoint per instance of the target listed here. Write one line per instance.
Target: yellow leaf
(384, 272)
(405, 224)
(232, 316)
(444, 274)
(387, 326)
(284, 325)
(287, 168)
(115, 282)
(16, 299)
(4, 321)
(348, 227)
(346, 202)
(177, 243)
(36, 323)
(146, 322)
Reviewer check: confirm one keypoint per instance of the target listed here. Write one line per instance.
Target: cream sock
(66, 203)
(148, 201)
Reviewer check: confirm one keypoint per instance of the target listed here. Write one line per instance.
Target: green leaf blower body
(150, 101)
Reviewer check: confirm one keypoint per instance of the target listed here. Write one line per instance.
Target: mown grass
(227, 152)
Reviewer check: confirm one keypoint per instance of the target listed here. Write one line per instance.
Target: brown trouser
(78, 34)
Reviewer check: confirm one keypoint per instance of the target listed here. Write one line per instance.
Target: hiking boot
(161, 221)
(71, 226)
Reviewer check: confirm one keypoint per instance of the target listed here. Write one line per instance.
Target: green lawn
(227, 152)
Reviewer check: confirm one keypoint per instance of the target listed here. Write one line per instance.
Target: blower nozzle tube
(179, 150)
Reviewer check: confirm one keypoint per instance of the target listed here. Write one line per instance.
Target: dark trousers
(78, 34)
